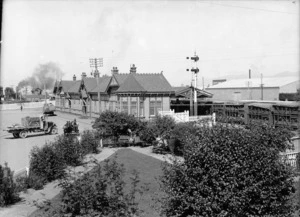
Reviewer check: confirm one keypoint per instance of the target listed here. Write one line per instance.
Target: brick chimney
(132, 69)
(115, 70)
(83, 75)
(74, 78)
(96, 74)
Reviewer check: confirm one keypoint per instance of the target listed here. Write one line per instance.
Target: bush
(179, 135)
(46, 163)
(89, 142)
(69, 150)
(8, 193)
(31, 181)
(116, 123)
(163, 126)
(298, 162)
(100, 193)
(230, 171)
(147, 133)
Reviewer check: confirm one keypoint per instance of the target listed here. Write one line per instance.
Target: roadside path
(33, 198)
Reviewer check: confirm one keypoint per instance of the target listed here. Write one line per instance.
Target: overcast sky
(229, 37)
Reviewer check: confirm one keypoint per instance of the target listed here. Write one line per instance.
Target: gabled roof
(186, 92)
(75, 87)
(154, 82)
(66, 85)
(103, 84)
(90, 83)
(130, 85)
(120, 78)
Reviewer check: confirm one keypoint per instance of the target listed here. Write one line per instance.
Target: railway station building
(142, 95)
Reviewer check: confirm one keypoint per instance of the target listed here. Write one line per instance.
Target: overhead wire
(249, 8)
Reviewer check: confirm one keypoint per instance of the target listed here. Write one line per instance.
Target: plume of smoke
(44, 74)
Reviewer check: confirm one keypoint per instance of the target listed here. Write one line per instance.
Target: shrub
(100, 193)
(68, 149)
(116, 123)
(230, 171)
(8, 194)
(31, 181)
(298, 162)
(163, 126)
(147, 133)
(179, 135)
(46, 163)
(89, 142)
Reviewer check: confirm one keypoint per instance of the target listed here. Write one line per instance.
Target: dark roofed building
(142, 95)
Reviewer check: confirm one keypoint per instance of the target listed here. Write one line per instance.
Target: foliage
(180, 133)
(89, 142)
(100, 193)
(69, 150)
(163, 126)
(298, 162)
(31, 181)
(230, 171)
(46, 162)
(116, 123)
(9, 93)
(8, 193)
(147, 132)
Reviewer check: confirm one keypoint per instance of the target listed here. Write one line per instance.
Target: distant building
(251, 89)
(217, 81)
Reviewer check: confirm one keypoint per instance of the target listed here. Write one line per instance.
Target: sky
(230, 37)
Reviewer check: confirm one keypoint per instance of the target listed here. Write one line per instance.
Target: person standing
(21, 107)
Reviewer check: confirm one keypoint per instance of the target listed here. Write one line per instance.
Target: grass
(149, 170)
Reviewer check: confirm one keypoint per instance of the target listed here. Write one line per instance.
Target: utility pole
(194, 71)
(95, 63)
(262, 86)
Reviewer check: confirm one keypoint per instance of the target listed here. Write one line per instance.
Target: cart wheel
(54, 130)
(23, 134)
(16, 135)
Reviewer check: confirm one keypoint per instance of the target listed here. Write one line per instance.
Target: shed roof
(254, 82)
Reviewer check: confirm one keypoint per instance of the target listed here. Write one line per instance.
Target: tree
(10, 93)
(230, 171)
(116, 123)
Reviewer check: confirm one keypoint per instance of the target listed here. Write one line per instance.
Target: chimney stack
(74, 78)
(83, 75)
(115, 70)
(132, 69)
(249, 73)
(96, 74)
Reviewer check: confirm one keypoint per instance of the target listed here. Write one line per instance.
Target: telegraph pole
(194, 71)
(95, 63)
(262, 86)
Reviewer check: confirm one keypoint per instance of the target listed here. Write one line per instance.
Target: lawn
(149, 170)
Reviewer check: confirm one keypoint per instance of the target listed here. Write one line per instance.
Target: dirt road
(16, 151)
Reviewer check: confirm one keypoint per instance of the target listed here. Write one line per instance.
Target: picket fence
(184, 117)
(26, 105)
